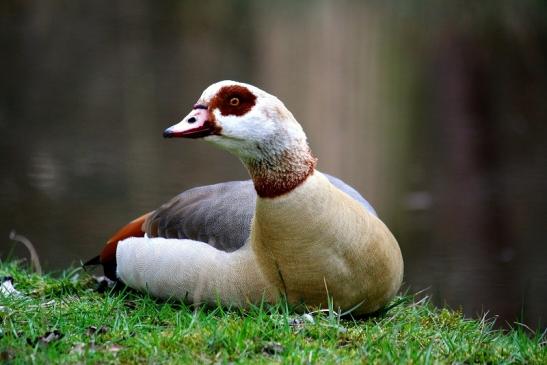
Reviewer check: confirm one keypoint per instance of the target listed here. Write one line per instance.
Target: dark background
(435, 111)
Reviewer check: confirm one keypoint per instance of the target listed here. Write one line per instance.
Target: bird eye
(234, 101)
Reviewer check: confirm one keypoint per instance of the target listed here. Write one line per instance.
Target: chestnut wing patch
(233, 100)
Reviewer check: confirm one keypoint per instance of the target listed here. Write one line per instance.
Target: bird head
(242, 119)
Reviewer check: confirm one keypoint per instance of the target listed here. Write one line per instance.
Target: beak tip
(167, 134)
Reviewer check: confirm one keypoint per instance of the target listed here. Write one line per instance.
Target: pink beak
(197, 124)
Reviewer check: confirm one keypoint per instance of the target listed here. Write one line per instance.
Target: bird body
(291, 231)
(316, 239)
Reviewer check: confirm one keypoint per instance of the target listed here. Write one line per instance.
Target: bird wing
(219, 215)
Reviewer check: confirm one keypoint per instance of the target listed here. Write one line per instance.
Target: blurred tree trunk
(340, 94)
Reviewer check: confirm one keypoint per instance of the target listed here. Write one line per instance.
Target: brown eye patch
(233, 100)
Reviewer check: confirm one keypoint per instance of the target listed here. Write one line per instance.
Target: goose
(289, 232)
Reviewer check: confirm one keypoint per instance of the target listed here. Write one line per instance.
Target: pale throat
(279, 172)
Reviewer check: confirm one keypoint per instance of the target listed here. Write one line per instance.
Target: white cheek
(242, 135)
(251, 127)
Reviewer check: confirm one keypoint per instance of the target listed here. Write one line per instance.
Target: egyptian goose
(291, 231)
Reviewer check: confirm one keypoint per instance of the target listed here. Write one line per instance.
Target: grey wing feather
(219, 215)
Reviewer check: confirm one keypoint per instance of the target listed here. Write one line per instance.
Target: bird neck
(281, 170)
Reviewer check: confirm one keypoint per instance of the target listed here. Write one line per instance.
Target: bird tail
(107, 257)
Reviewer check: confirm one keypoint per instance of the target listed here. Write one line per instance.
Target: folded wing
(219, 215)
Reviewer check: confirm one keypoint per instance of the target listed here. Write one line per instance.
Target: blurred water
(435, 114)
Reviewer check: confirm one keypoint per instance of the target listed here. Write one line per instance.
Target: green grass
(130, 327)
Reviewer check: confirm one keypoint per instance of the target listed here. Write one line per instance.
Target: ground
(63, 318)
